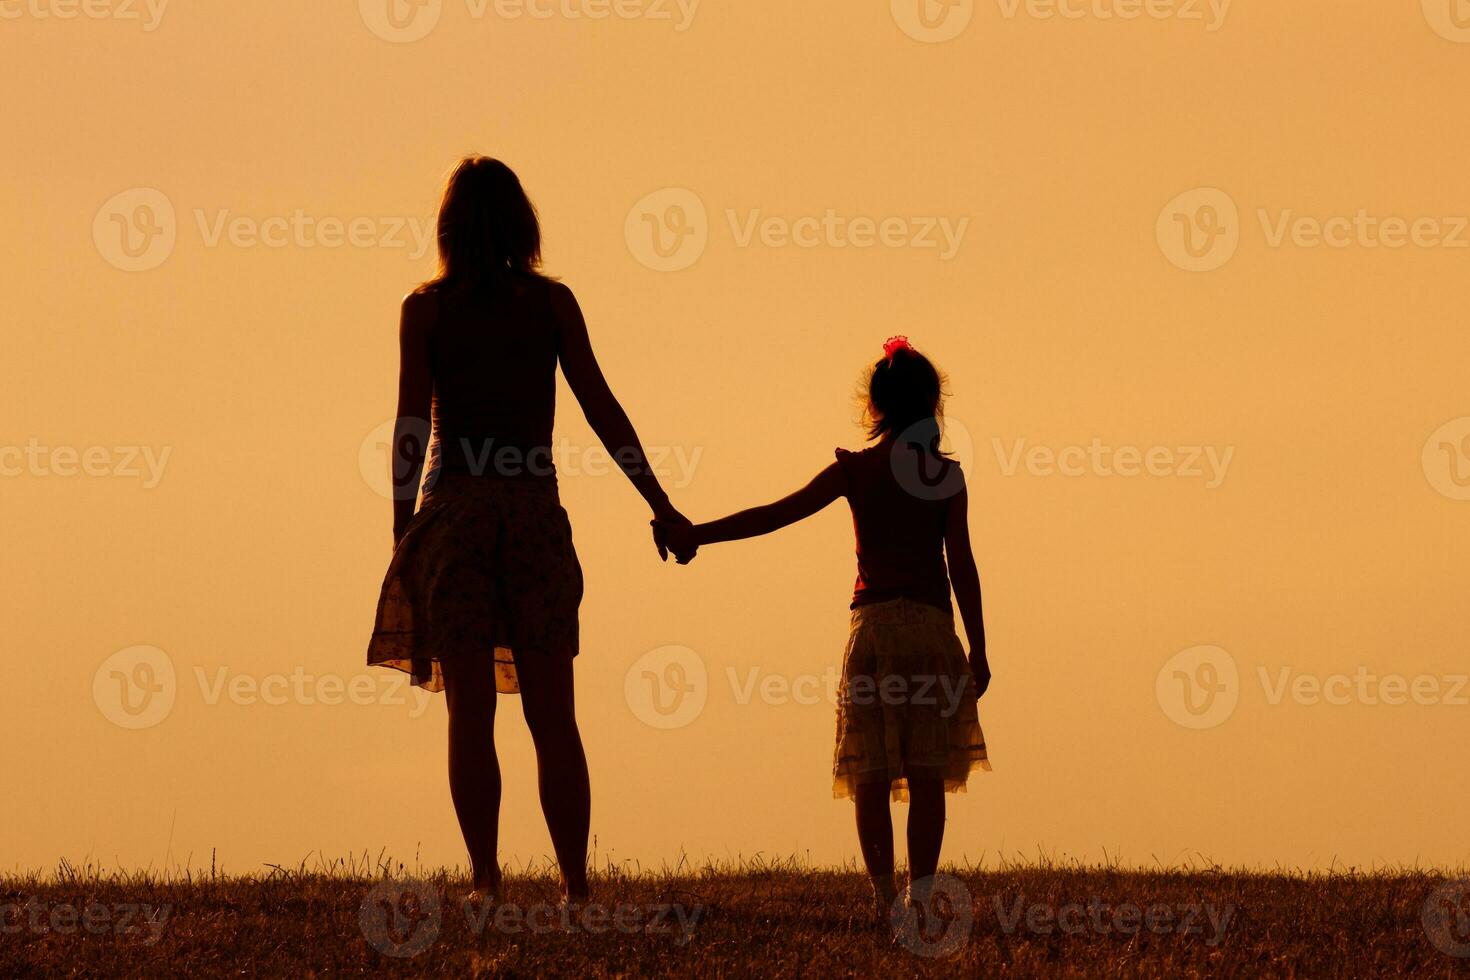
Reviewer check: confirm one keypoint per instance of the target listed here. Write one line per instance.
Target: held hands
(672, 532)
(682, 543)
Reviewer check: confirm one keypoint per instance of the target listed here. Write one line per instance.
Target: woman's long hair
(487, 226)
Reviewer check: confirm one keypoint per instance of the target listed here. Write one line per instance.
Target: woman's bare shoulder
(556, 290)
(421, 309)
(561, 302)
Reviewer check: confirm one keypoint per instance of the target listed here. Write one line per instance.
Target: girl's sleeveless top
(900, 530)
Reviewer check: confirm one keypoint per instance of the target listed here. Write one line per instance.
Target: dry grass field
(746, 919)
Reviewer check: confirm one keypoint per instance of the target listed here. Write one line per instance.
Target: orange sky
(1253, 439)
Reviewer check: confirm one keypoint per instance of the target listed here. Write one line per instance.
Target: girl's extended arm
(601, 407)
(826, 487)
(415, 392)
(965, 578)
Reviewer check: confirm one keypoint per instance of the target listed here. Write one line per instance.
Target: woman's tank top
(493, 355)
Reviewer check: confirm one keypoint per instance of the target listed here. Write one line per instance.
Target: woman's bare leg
(926, 827)
(566, 795)
(474, 769)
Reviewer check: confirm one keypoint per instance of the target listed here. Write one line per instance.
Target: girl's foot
(919, 894)
(570, 911)
(885, 894)
(576, 893)
(486, 890)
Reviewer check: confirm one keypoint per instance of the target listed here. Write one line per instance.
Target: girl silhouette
(906, 720)
(482, 593)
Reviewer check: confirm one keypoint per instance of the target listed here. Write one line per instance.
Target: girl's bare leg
(561, 765)
(474, 769)
(875, 837)
(926, 827)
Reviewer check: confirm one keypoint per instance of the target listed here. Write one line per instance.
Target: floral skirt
(906, 706)
(485, 568)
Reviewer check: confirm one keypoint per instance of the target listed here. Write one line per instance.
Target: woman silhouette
(482, 593)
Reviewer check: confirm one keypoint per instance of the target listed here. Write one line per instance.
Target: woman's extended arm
(415, 393)
(965, 578)
(601, 407)
(825, 487)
